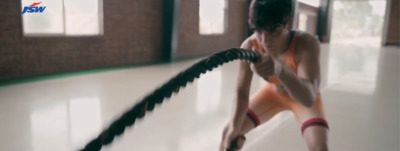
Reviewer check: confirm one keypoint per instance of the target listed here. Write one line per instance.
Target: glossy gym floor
(360, 90)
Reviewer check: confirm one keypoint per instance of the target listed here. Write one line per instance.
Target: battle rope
(165, 91)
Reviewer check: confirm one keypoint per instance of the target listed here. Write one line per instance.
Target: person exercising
(290, 64)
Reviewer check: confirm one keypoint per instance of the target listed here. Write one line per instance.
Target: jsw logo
(33, 8)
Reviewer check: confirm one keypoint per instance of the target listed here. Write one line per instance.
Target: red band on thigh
(314, 122)
(253, 117)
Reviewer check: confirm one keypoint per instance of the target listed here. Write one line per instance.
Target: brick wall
(132, 34)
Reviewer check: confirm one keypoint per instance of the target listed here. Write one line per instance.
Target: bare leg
(265, 104)
(248, 125)
(316, 138)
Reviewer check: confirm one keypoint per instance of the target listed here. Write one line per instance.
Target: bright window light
(82, 17)
(212, 17)
(63, 18)
(50, 21)
(303, 22)
(314, 3)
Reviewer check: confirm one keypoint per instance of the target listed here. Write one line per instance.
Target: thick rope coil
(165, 91)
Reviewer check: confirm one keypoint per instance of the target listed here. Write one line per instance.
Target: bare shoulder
(247, 42)
(308, 45)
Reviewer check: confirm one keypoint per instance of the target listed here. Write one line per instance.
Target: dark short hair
(269, 14)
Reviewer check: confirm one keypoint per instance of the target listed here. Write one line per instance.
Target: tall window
(62, 18)
(358, 22)
(212, 17)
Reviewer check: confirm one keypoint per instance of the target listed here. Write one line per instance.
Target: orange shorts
(269, 101)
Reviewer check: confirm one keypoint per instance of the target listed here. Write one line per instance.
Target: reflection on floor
(360, 89)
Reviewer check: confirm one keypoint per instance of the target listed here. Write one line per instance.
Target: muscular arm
(242, 90)
(304, 86)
